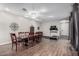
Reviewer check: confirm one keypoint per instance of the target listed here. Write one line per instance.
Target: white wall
(64, 27)
(6, 19)
(45, 26)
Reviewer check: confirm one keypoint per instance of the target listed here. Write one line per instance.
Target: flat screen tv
(53, 28)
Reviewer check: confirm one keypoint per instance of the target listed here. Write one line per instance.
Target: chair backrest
(37, 33)
(31, 33)
(21, 34)
(26, 33)
(40, 33)
(13, 37)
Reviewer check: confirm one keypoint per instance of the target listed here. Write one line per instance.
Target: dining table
(26, 38)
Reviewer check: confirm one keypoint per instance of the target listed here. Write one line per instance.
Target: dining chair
(31, 38)
(26, 33)
(21, 34)
(24, 37)
(40, 34)
(14, 40)
(27, 38)
(37, 37)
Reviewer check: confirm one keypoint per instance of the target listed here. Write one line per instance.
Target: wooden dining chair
(37, 37)
(14, 40)
(23, 36)
(31, 38)
(31, 33)
(27, 39)
(26, 33)
(40, 34)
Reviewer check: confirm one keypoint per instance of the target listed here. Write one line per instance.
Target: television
(53, 28)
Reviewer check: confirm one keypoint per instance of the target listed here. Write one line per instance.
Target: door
(32, 29)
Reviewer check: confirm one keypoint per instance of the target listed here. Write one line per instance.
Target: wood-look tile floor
(46, 47)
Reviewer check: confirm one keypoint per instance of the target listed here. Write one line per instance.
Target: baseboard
(3, 43)
(46, 37)
(64, 36)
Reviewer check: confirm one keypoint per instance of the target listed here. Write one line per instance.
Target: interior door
(31, 29)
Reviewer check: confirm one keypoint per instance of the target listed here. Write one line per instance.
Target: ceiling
(39, 11)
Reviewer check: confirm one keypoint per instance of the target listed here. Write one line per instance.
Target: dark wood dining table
(26, 38)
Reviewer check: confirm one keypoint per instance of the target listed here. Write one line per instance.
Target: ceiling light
(33, 14)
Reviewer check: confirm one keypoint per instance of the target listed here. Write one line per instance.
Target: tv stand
(54, 38)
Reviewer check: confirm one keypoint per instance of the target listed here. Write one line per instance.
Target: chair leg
(37, 39)
(28, 43)
(32, 42)
(12, 45)
(78, 53)
(16, 46)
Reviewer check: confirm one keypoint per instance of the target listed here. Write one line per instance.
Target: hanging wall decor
(14, 26)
